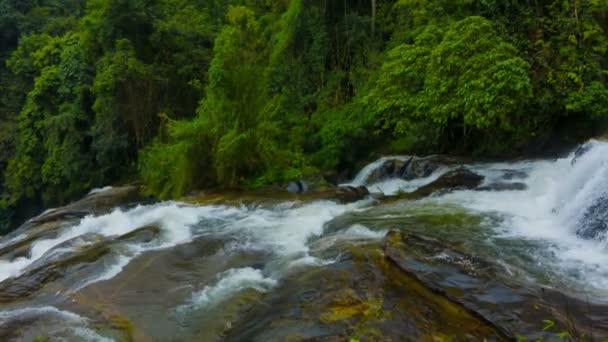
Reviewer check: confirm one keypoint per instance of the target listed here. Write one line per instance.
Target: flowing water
(174, 271)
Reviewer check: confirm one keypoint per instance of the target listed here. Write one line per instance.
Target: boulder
(409, 168)
(504, 186)
(390, 168)
(348, 194)
(458, 179)
(294, 187)
(94, 203)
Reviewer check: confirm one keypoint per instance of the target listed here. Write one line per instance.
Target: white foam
(72, 322)
(230, 283)
(395, 186)
(286, 232)
(358, 231)
(550, 210)
(25, 313)
(89, 335)
(175, 221)
(110, 272)
(98, 190)
(283, 230)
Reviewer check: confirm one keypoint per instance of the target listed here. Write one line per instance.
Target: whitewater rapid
(542, 221)
(550, 211)
(283, 230)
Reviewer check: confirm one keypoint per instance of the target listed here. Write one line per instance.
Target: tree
(471, 80)
(51, 150)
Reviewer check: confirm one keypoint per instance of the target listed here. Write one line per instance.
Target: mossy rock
(124, 324)
(347, 304)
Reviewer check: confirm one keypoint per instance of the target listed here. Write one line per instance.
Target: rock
(29, 283)
(145, 234)
(348, 194)
(514, 174)
(390, 168)
(503, 186)
(422, 167)
(361, 295)
(480, 288)
(461, 178)
(294, 187)
(316, 183)
(94, 203)
(409, 168)
(21, 248)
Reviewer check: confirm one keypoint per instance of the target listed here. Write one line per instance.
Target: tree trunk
(373, 17)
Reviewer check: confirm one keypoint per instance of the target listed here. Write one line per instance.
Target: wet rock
(481, 288)
(298, 186)
(458, 179)
(143, 235)
(347, 304)
(348, 194)
(397, 245)
(503, 186)
(95, 203)
(154, 291)
(360, 296)
(390, 168)
(21, 248)
(514, 174)
(409, 168)
(27, 284)
(293, 187)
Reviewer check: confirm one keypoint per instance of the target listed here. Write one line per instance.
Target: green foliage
(124, 121)
(458, 83)
(246, 93)
(85, 84)
(50, 148)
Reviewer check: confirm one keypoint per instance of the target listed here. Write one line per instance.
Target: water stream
(181, 271)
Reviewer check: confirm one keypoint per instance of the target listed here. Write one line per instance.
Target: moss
(347, 304)
(42, 339)
(124, 324)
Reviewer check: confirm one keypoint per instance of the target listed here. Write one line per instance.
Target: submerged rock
(514, 174)
(503, 186)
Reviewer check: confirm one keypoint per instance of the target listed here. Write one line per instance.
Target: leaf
(548, 324)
